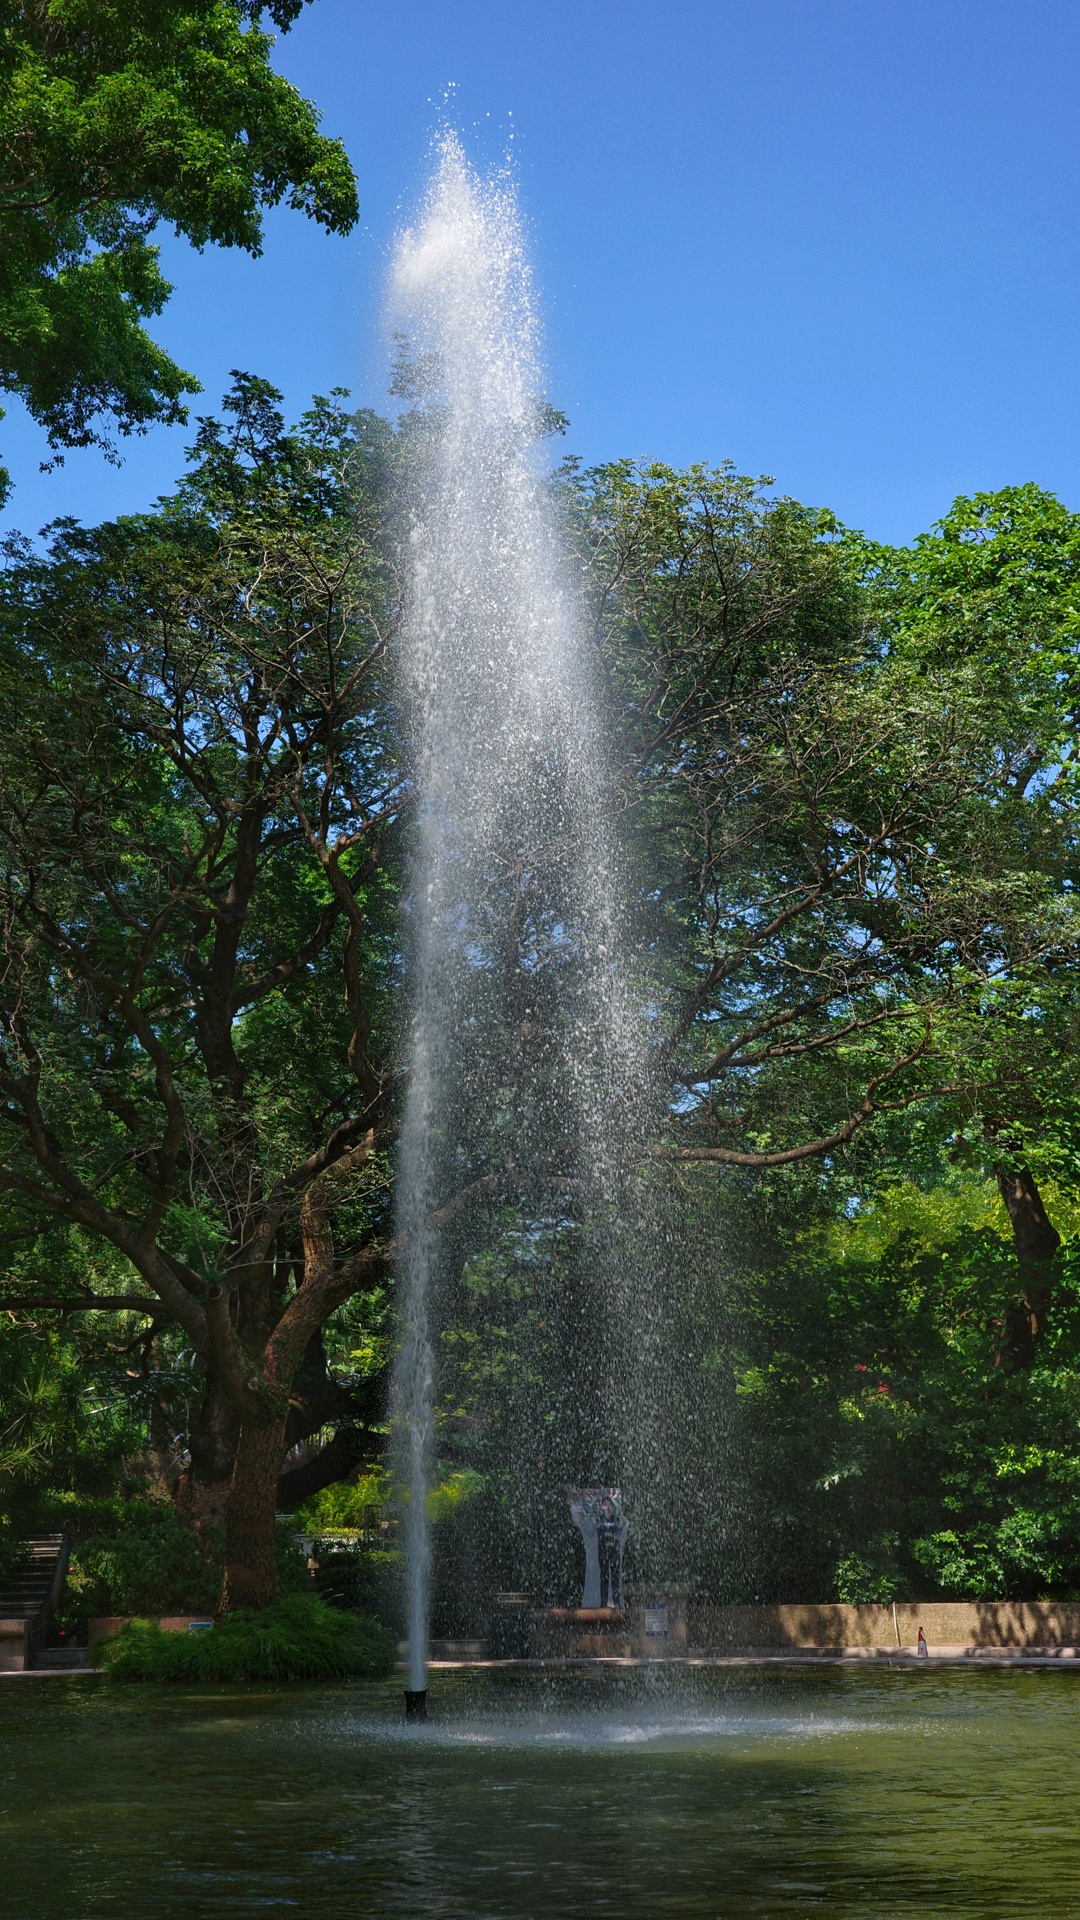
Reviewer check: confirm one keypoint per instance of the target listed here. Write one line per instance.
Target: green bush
(298, 1638)
(133, 1556)
(11, 1546)
(1026, 1556)
(290, 1560)
(64, 1418)
(136, 1558)
(859, 1582)
(346, 1505)
(358, 1578)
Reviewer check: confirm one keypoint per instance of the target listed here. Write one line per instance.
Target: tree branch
(811, 1149)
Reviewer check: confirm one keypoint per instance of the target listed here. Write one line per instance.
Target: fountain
(704, 1787)
(526, 1060)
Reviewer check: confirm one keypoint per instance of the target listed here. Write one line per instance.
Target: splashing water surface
(524, 1072)
(849, 1793)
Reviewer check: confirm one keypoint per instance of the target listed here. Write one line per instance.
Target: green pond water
(710, 1792)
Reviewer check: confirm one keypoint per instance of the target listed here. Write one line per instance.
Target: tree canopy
(199, 795)
(845, 776)
(846, 772)
(116, 115)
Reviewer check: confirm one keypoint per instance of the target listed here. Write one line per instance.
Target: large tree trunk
(250, 1570)
(232, 1488)
(202, 1496)
(340, 1457)
(317, 1399)
(1036, 1242)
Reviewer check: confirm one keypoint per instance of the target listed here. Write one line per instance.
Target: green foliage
(837, 1421)
(10, 1546)
(292, 1576)
(852, 854)
(114, 115)
(64, 1423)
(193, 708)
(138, 1560)
(130, 1555)
(355, 1529)
(345, 1506)
(1029, 1554)
(850, 777)
(146, 706)
(858, 1582)
(359, 1578)
(452, 1492)
(989, 599)
(296, 1639)
(885, 1448)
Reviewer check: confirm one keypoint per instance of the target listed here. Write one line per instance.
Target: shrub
(861, 1581)
(346, 1505)
(290, 1559)
(1028, 1555)
(360, 1579)
(298, 1638)
(11, 1546)
(133, 1556)
(65, 1421)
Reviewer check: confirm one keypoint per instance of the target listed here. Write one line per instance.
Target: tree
(847, 909)
(877, 1450)
(115, 115)
(992, 592)
(198, 792)
(851, 772)
(836, 847)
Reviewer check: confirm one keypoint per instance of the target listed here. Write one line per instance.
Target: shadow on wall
(966, 1623)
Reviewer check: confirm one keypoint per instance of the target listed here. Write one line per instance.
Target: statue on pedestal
(597, 1514)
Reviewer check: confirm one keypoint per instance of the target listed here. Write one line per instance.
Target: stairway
(28, 1600)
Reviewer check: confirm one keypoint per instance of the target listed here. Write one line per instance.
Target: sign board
(656, 1622)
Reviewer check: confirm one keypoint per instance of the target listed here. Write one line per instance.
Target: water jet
(526, 1056)
(415, 1705)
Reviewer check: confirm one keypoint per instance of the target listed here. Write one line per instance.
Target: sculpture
(597, 1514)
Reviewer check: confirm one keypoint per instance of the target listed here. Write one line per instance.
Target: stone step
(28, 1598)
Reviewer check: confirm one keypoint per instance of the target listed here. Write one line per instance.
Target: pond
(704, 1792)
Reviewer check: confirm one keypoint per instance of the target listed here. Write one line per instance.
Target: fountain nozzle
(415, 1704)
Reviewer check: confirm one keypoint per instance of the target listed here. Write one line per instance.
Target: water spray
(511, 776)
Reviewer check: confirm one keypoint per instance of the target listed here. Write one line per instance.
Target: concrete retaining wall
(945, 1623)
(16, 1653)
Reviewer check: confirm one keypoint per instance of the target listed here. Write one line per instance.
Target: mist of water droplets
(526, 1068)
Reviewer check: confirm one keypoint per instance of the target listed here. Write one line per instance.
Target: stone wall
(15, 1645)
(945, 1623)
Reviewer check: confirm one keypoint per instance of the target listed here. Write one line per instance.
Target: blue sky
(837, 241)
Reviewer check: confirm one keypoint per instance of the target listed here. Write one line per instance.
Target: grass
(298, 1638)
